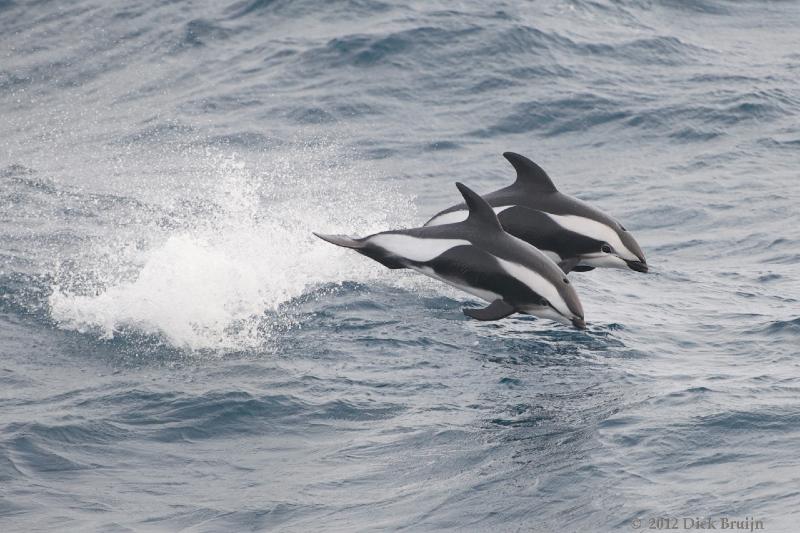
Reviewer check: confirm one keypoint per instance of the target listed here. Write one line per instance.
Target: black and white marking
(477, 256)
(568, 230)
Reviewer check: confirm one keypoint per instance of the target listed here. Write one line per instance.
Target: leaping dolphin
(477, 256)
(568, 230)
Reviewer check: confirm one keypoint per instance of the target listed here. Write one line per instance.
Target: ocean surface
(179, 353)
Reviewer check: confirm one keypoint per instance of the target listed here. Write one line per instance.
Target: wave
(198, 32)
(778, 330)
(206, 281)
(558, 116)
(401, 49)
(679, 120)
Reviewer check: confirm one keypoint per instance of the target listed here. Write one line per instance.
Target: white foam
(207, 281)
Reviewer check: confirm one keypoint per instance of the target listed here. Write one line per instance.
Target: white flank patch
(595, 230)
(460, 216)
(415, 248)
(537, 283)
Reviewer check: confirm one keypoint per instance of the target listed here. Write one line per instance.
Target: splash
(222, 271)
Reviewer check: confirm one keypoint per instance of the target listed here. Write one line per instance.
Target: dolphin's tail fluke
(341, 240)
(363, 247)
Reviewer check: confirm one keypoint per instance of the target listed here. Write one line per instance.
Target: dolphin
(477, 256)
(570, 231)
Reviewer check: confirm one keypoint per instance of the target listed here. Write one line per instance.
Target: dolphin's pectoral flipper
(495, 311)
(568, 265)
(583, 268)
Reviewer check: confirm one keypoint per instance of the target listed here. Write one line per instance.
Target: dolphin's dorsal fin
(479, 210)
(529, 174)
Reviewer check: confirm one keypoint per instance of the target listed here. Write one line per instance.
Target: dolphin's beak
(579, 323)
(638, 266)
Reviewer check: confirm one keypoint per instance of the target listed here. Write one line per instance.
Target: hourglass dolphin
(477, 256)
(568, 230)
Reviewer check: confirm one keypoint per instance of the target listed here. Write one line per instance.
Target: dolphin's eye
(544, 303)
(606, 249)
(566, 281)
(622, 227)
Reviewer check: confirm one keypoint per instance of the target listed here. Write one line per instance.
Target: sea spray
(223, 277)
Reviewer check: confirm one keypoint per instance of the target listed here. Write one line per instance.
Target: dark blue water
(178, 352)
